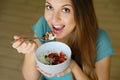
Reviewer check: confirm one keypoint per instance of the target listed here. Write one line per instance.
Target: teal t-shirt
(104, 47)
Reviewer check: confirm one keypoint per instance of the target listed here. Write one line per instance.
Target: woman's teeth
(58, 27)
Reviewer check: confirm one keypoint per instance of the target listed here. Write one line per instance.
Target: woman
(74, 23)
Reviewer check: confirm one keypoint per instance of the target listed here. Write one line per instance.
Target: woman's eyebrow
(62, 5)
(67, 5)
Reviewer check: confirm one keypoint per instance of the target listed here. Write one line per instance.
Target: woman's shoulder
(41, 24)
(40, 21)
(104, 45)
(102, 33)
(103, 37)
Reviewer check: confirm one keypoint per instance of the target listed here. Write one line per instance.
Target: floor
(18, 16)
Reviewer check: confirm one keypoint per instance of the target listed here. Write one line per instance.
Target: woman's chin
(59, 37)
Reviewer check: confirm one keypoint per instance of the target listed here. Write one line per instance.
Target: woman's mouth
(57, 29)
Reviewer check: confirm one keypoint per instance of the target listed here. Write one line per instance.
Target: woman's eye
(66, 10)
(48, 7)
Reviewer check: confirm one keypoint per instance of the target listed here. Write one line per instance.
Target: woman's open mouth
(57, 29)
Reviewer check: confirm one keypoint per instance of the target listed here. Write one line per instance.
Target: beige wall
(17, 17)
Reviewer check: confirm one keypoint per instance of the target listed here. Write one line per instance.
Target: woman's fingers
(30, 46)
(17, 37)
(44, 73)
(67, 70)
(64, 72)
(21, 48)
(24, 46)
(17, 43)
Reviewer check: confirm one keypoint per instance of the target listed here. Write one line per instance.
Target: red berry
(62, 54)
(57, 58)
(61, 59)
(55, 54)
(46, 38)
(50, 55)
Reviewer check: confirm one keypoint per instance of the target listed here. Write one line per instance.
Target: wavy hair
(83, 43)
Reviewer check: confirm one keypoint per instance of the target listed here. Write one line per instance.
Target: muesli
(53, 58)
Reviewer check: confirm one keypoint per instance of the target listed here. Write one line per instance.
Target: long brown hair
(83, 43)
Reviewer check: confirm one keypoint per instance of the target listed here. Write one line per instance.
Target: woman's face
(60, 17)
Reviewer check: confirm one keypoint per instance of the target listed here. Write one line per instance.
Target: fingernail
(58, 75)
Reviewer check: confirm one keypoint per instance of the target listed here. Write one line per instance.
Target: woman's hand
(44, 73)
(69, 68)
(23, 46)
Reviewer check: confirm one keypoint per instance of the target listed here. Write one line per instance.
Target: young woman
(74, 23)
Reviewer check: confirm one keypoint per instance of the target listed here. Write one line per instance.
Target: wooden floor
(18, 16)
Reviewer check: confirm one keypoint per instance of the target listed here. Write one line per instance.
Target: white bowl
(53, 47)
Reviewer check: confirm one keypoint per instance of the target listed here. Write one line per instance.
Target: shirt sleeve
(104, 46)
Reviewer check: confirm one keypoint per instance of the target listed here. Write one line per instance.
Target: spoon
(49, 35)
(26, 39)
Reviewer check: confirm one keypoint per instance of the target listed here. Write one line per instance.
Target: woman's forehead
(58, 2)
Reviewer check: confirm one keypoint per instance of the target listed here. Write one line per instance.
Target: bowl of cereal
(53, 57)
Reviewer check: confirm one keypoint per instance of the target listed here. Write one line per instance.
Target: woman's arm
(102, 70)
(29, 66)
(77, 72)
(28, 48)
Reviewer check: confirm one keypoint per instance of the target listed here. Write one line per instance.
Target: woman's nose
(56, 17)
